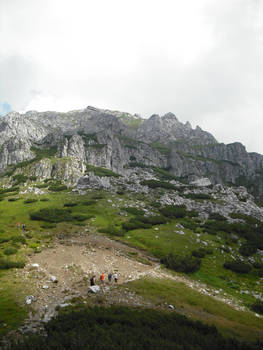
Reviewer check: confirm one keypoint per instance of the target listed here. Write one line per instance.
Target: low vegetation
(125, 328)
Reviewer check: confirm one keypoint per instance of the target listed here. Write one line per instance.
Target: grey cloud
(18, 77)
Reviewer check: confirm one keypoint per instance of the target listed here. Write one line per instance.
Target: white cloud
(201, 59)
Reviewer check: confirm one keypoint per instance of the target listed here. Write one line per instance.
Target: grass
(12, 294)
(240, 324)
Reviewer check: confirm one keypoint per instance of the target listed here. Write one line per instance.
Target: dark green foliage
(87, 203)
(10, 251)
(19, 239)
(32, 178)
(11, 189)
(258, 306)
(179, 263)
(70, 204)
(57, 188)
(201, 252)
(81, 217)
(6, 264)
(134, 211)
(217, 216)
(13, 199)
(4, 239)
(88, 138)
(164, 149)
(247, 249)
(237, 266)
(101, 172)
(158, 184)
(143, 222)
(44, 199)
(198, 196)
(19, 179)
(132, 158)
(30, 200)
(248, 218)
(52, 215)
(98, 196)
(119, 327)
(258, 265)
(138, 165)
(156, 205)
(42, 185)
(44, 152)
(174, 211)
(134, 225)
(164, 174)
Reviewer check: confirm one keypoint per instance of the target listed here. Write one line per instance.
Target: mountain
(119, 141)
(96, 191)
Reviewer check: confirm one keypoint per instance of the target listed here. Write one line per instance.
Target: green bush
(174, 211)
(119, 327)
(13, 199)
(6, 264)
(134, 211)
(198, 196)
(70, 204)
(247, 249)
(52, 215)
(237, 266)
(179, 263)
(217, 216)
(81, 217)
(44, 199)
(30, 200)
(101, 172)
(258, 306)
(87, 203)
(10, 251)
(258, 265)
(18, 239)
(57, 188)
(201, 252)
(11, 189)
(32, 178)
(19, 179)
(158, 184)
(42, 185)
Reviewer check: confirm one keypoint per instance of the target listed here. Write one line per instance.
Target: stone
(53, 279)
(171, 307)
(30, 299)
(94, 289)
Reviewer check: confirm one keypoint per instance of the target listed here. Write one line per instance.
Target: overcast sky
(200, 59)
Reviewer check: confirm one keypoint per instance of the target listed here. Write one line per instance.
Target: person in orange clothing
(102, 278)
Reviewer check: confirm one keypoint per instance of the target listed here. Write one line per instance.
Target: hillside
(153, 200)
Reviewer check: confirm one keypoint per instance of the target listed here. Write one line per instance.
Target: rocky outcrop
(117, 141)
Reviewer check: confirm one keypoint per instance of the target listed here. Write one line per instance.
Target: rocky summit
(62, 145)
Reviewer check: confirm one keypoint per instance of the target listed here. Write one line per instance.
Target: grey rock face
(117, 140)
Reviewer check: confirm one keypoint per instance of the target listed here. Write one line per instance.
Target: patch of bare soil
(58, 274)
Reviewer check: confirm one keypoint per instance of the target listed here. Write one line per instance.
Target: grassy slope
(243, 325)
(163, 240)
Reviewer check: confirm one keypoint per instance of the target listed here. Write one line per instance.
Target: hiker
(92, 280)
(18, 224)
(24, 227)
(109, 277)
(115, 277)
(102, 277)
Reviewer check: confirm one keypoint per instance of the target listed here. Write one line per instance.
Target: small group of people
(111, 276)
(23, 226)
